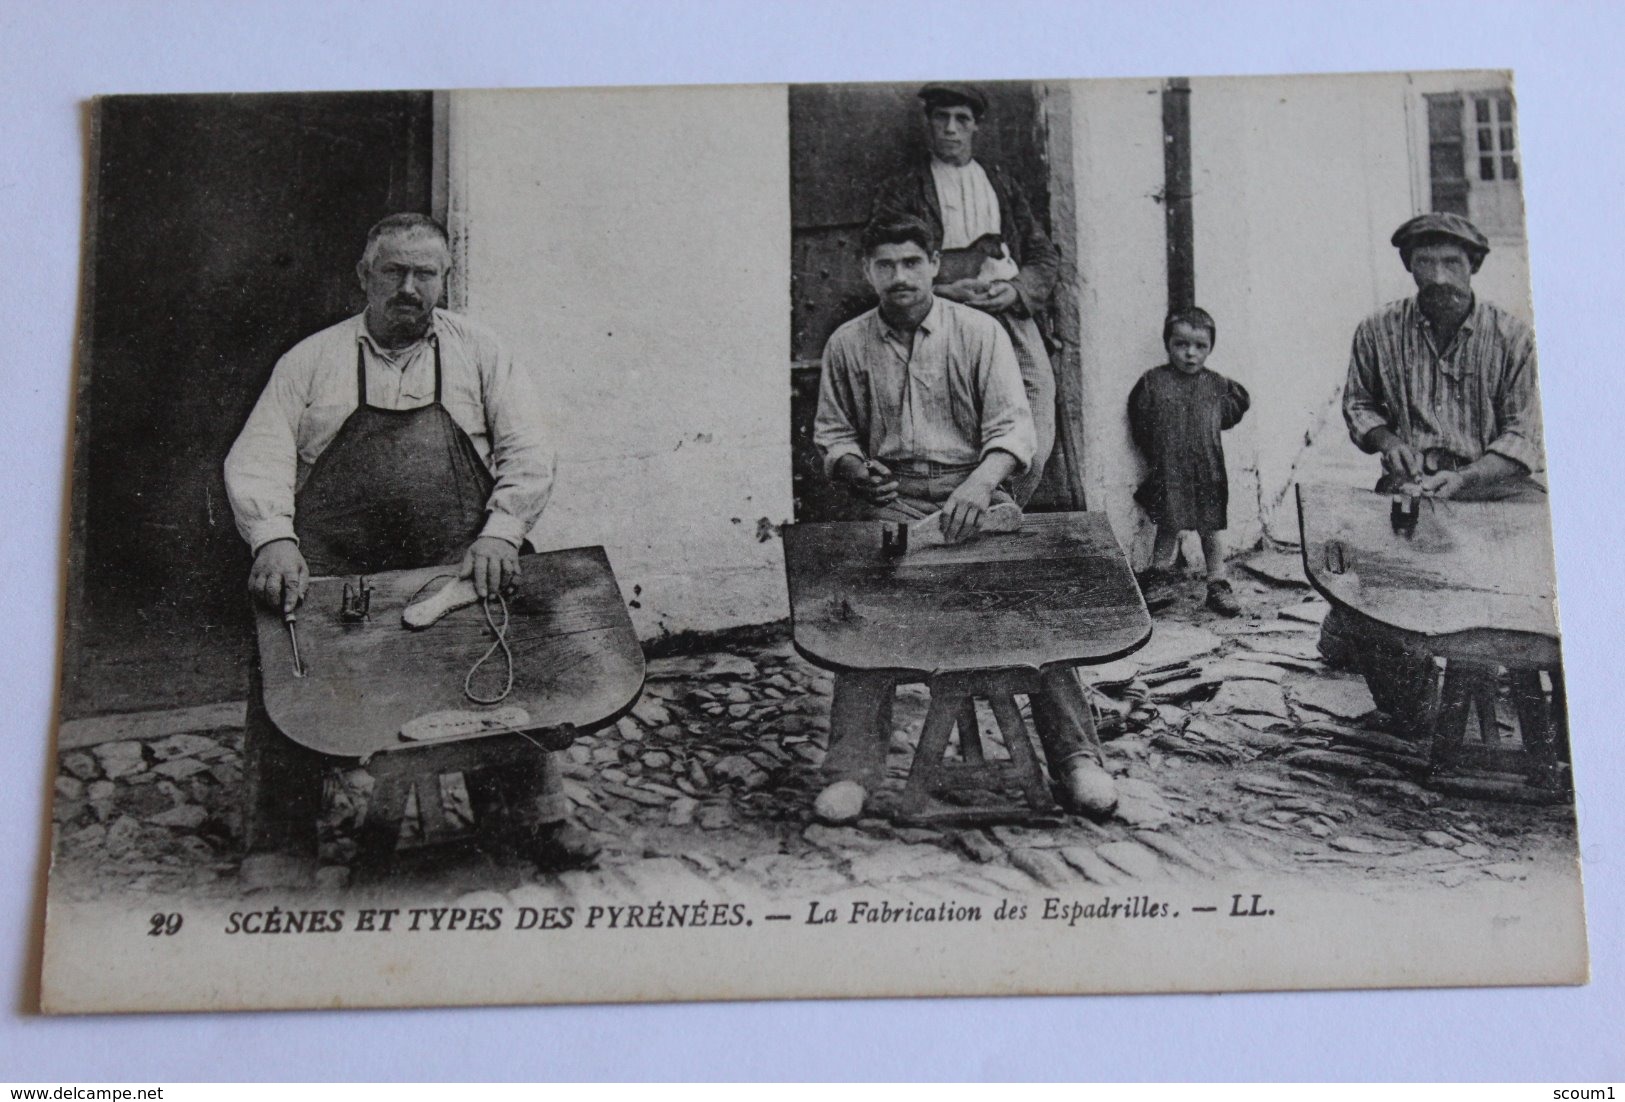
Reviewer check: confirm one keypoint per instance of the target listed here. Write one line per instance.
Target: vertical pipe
(1054, 122)
(1176, 191)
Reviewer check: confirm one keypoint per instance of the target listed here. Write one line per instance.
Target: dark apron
(395, 489)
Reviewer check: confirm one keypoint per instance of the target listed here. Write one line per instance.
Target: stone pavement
(1236, 751)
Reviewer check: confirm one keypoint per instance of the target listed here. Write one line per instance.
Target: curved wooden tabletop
(1474, 573)
(1057, 591)
(576, 657)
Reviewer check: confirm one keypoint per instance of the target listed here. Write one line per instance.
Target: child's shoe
(1222, 599)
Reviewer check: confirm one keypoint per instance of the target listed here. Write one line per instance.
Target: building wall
(670, 397)
(1122, 280)
(1298, 183)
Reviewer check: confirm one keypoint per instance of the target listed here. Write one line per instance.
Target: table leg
(485, 797)
(970, 733)
(1020, 748)
(925, 776)
(1450, 719)
(1560, 714)
(431, 807)
(1536, 726)
(1485, 693)
(380, 830)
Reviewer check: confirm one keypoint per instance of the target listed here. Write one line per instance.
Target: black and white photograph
(942, 537)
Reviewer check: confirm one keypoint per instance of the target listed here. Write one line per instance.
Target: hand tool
(290, 619)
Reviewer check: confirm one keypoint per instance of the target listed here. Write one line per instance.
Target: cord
(501, 633)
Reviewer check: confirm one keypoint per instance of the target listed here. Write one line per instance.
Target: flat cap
(951, 95)
(1441, 224)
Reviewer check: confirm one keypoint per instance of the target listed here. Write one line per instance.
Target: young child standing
(1176, 413)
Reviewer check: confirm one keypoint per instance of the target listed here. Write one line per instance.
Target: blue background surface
(55, 55)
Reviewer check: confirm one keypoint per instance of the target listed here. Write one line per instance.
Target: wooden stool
(1471, 688)
(501, 774)
(953, 704)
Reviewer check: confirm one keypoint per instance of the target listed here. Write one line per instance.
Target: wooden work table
(1471, 583)
(577, 661)
(978, 620)
(1059, 591)
(1474, 580)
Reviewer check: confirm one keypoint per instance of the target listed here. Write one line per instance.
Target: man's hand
(999, 297)
(961, 290)
(1400, 459)
(869, 479)
(1444, 484)
(279, 575)
(493, 564)
(963, 511)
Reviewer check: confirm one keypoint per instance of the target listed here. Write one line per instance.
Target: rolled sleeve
(835, 427)
(505, 527)
(1007, 419)
(1518, 410)
(523, 463)
(263, 463)
(1363, 407)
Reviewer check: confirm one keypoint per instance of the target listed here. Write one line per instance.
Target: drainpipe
(1176, 192)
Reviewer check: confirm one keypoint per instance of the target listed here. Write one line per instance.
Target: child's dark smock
(1176, 420)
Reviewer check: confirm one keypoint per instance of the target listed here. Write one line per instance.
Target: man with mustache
(921, 409)
(996, 256)
(1443, 386)
(405, 436)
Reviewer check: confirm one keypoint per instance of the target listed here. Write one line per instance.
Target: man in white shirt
(921, 410)
(402, 437)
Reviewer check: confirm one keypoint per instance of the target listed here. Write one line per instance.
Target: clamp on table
(356, 603)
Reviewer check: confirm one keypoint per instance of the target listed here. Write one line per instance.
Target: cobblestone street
(1236, 751)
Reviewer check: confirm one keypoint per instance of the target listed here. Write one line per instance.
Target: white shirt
(970, 206)
(947, 394)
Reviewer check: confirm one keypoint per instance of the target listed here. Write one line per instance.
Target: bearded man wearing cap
(995, 255)
(1442, 385)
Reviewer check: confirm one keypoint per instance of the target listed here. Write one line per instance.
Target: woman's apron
(396, 489)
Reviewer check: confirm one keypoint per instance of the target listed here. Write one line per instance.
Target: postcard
(743, 542)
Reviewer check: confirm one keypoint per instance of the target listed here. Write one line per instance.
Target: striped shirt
(945, 395)
(1478, 395)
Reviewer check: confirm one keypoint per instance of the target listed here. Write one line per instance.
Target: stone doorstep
(79, 734)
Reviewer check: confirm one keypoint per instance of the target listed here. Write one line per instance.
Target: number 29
(164, 925)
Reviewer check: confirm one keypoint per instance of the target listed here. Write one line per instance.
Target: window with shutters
(1472, 157)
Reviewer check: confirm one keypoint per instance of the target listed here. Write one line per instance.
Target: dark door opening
(845, 141)
(225, 229)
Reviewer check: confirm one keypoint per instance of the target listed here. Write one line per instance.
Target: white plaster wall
(1298, 184)
(634, 247)
(1122, 281)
